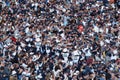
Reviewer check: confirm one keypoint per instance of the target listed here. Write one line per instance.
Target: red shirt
(80, 28)
(13, 39)
(111, 1)
(90, 60)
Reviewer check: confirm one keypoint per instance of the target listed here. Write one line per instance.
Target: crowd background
(59, 40)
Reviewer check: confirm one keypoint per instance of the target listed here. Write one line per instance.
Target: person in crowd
(59, 40)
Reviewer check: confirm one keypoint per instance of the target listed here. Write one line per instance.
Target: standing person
(0, 6)
(108, 75)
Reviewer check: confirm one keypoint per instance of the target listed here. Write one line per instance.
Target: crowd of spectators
(59, 40)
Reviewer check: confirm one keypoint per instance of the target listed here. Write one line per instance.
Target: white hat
(57, 41)
(5, 46)
(31, 53)
(107, 41)
(65, 50)
(111, 69)
(75, 74)
(24, 65)
(14, 72)
(14, 54)
(28, 39)
(37, 39)
(39, 76)
(64, 10)
(22, 44)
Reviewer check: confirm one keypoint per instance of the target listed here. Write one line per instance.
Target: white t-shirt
(114, 57)
(88, 53)
(65, 56)
(101, 43)
(96, 29)
(115, 51)
(76, 55)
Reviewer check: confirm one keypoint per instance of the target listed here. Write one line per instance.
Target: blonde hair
(13, 78)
